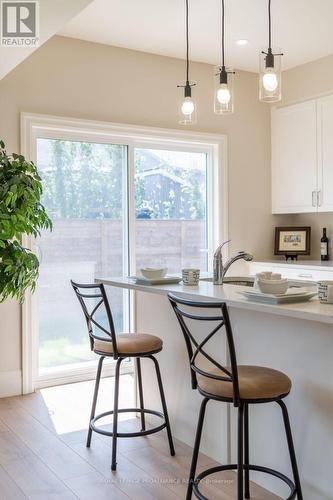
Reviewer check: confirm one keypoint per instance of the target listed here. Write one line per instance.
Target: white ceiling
(302, 28)
(53, 16)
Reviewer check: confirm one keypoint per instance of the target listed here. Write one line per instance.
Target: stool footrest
(257, 468)
(146, 432)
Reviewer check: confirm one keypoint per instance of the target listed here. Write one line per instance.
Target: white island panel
(154, 315)
(303, 350)
(295, 338)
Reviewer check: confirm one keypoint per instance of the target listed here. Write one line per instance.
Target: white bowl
(152, 273)
(274, 287)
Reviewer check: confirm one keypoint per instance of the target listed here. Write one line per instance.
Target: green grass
(61, 351)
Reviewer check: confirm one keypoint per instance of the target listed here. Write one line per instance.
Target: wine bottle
(324, 246)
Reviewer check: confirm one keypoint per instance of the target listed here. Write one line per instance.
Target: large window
(120, 200)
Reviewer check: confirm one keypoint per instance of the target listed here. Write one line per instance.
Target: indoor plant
(21, 212)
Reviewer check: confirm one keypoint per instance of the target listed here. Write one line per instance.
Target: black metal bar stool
(241, 385)
(92, 299)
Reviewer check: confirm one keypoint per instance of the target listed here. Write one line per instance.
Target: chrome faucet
(221, 269)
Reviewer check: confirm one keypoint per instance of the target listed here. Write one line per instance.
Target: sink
(249, 281)
(235, 280)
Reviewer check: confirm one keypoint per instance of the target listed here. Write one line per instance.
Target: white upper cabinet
(294, 158)
(302, 157)
(325, 153)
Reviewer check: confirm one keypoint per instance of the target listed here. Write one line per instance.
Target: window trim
(215, 145)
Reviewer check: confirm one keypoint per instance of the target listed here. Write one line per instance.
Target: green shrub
(21, 212)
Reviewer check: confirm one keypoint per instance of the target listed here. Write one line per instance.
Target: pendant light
(270, 69)
(223, 79)
(187, 106)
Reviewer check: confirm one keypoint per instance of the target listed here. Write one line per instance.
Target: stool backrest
(92, 299)
(218, 314)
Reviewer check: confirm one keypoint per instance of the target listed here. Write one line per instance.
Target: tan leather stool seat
(255, 382)
(129, 344)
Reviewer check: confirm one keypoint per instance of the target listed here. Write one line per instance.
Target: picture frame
(292, 241)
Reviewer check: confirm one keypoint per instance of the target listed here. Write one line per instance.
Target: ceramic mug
(190, 276)
(325, 292)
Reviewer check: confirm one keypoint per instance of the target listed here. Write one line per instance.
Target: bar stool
(241, 385)
(93, 298)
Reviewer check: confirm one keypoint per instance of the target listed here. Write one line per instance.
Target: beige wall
(85, 80)
(304, 82)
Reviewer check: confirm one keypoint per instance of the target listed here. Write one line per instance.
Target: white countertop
(312, 310)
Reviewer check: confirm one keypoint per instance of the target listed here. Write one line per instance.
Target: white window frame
(34, 126)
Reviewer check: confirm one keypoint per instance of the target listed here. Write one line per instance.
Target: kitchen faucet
(221, 269)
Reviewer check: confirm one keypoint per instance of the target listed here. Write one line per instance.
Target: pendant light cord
(269, 25)
(187, 44)
(187, 85)
(222, 32)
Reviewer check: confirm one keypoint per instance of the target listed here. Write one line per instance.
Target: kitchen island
(294, 338)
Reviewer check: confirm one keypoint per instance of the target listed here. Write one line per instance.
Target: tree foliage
(169, 191)
(75, 181)
(86, 180)
(21, 212)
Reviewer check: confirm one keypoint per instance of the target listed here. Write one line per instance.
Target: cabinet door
(294, 158)
(325, 154)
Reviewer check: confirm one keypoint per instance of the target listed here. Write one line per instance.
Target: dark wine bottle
(324, 246)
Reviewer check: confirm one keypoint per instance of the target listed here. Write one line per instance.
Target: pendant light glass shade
(187, 108)
(223, 79)
(270, 76)
(223, 91)
(270, 68)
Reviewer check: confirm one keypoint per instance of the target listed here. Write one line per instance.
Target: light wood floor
(43, 454)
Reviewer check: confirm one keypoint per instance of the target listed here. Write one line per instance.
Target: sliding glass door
(120, 199)
(85, 195)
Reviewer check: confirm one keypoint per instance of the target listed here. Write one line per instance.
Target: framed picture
(292, 241)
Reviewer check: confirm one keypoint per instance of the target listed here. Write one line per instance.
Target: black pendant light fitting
(269, 60)
(187, 108)
(187, 86)
(223, 78)
(223, 73)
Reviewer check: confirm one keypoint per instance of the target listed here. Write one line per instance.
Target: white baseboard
(10, 383)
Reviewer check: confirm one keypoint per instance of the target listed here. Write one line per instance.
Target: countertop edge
(286, 310)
